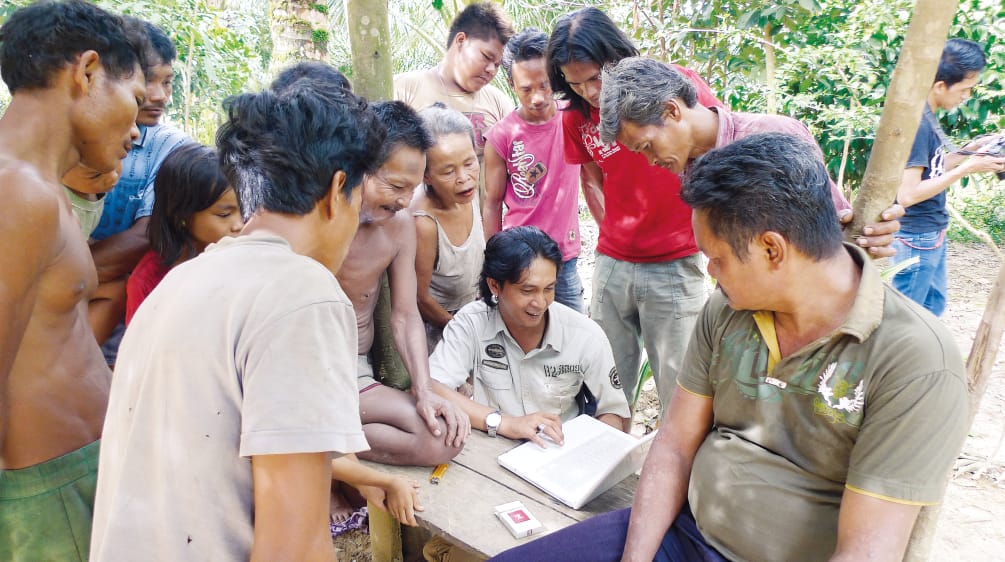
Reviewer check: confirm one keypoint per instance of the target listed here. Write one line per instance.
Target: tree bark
(370, 43)
(300, 31)
(905, 99)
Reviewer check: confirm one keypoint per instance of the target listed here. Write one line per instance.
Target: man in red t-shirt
(648, 284)
(649, 281)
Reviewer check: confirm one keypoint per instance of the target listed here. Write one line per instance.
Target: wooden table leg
(385, 535)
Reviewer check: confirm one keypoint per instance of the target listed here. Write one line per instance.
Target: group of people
(250, 275)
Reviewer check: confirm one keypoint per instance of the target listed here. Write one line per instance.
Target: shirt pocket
(496, 377)
(561, 392)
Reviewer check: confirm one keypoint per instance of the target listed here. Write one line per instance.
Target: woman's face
(523, 304)
(452, 169)
(220, 219)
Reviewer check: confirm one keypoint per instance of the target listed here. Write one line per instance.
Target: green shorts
(46, 509)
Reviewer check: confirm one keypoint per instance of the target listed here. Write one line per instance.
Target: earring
(495, 298)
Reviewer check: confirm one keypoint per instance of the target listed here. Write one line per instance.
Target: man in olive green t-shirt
(818, 408)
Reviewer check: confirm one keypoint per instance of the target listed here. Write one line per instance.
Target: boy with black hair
(463, 78)
(75, 75)
(235, 384)
(525, 166)
(934, 165)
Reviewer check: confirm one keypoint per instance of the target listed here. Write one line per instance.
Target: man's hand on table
(533, 427)
(399, 497)
(430, 406)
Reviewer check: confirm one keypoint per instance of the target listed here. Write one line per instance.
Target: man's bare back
(373, 249)
(57, 387)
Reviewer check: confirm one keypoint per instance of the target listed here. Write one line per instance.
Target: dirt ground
(971, 523)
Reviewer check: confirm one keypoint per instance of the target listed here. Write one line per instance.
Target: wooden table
(460, 507)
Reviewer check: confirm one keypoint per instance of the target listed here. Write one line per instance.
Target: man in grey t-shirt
(235, 383)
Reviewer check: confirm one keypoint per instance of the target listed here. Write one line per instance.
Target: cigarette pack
(518, 519)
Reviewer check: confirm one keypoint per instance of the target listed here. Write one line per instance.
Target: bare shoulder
(401, 227)
(31, 201)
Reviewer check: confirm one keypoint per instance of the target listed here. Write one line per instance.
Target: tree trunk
(370, 43)
(300, 31)
(905, 99)
(769, 69)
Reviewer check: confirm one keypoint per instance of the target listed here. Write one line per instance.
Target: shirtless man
(75, 96)
(401, 428)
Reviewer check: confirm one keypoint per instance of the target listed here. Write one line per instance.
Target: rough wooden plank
(481, 453)
(461, 506)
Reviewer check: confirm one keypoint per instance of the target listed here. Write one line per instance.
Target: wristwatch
(492, 422)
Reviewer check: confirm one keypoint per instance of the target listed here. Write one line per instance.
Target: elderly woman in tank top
(450, 241)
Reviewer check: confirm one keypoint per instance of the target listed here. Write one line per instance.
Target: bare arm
(592, 179)
(30, 233)
(614, 420)
(495, 191)
(291, 507)
(117, 255)
(512, 427)
(663, 485)
(873, 529)
(913, 190)
(425, 262)
(396, 495)
(410, 339)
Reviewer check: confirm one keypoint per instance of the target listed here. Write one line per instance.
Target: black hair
(763, 182)
(959, 58)
(188, 181)
(508, 255)
(586, 35)
(310, 69)
(162, 45)
(529, 44)
(38, 40)
(481, 20)
(404, 127)
(280, 151)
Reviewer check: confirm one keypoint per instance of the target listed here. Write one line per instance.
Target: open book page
(594, 458)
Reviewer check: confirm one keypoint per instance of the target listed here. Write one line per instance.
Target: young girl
(194, 206)
(450, 241)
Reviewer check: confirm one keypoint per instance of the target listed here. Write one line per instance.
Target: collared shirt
(879, 406)
(735, 126)
(132, 198)
(573, 353)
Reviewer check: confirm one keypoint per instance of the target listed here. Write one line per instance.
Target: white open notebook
(594, 458)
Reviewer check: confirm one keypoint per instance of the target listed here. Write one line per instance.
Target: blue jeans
(924, 282)
(569, 287)
(602, 539)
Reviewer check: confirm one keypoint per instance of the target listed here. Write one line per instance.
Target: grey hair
(636, 90)
(441, 121)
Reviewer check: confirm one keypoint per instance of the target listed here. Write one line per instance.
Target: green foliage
(220, 53)
(321, 8)
(319, 35)
(982, 204)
